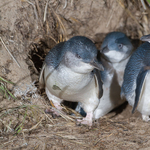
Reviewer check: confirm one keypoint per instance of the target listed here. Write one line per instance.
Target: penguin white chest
(66, 84)
(120, 67)
(144, 102)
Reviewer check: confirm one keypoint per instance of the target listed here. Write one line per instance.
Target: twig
(143, 4)
(73, 140)
(110, 18)
(9, 52)
(6, 125)
(45, 12)
(65, 4)
(9, 141)
(17, 139)
(36, 15)
(26, 130)
(25, 142)
(38, 8)
(49, 118)
(63, 115)
(53, 39)
(71, 3)
(103, 138)
(61, 24)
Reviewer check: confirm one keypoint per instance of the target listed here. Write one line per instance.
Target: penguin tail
(140, 83)
(122, 94)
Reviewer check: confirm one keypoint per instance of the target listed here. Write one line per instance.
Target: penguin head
(116, 47)
(81, 55)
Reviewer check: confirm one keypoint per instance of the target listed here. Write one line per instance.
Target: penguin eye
(120, 46)
(78, 56)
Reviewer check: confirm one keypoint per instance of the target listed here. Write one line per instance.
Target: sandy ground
(29, 29)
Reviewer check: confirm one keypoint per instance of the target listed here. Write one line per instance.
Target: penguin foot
(54, 111)
(145, 118)
(87, 120)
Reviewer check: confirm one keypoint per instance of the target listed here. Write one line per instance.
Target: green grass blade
(148, 2)
(6, 80)
(10, 93)
(20, 127)
(6, 91)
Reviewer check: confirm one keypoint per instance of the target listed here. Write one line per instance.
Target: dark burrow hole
(36, 56)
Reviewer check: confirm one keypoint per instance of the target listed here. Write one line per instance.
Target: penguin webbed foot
(87, 120)
(146, 118)
(55, 110)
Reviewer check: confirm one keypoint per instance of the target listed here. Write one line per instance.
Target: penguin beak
(97, 65)
(104, 49)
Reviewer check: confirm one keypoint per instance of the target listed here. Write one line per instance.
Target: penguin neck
(119, 61)
(72, 75)
(120, 64)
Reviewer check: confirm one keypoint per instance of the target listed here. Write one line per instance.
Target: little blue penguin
(136, 84)
(115, 52)
(70, 72)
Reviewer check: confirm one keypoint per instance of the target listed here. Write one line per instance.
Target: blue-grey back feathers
(55, 55)
(134, 74)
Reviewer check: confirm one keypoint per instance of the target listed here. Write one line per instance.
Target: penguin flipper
(140, 82)
(41, 78)
(99, 82)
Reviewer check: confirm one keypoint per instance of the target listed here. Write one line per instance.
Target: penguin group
(73, 71)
